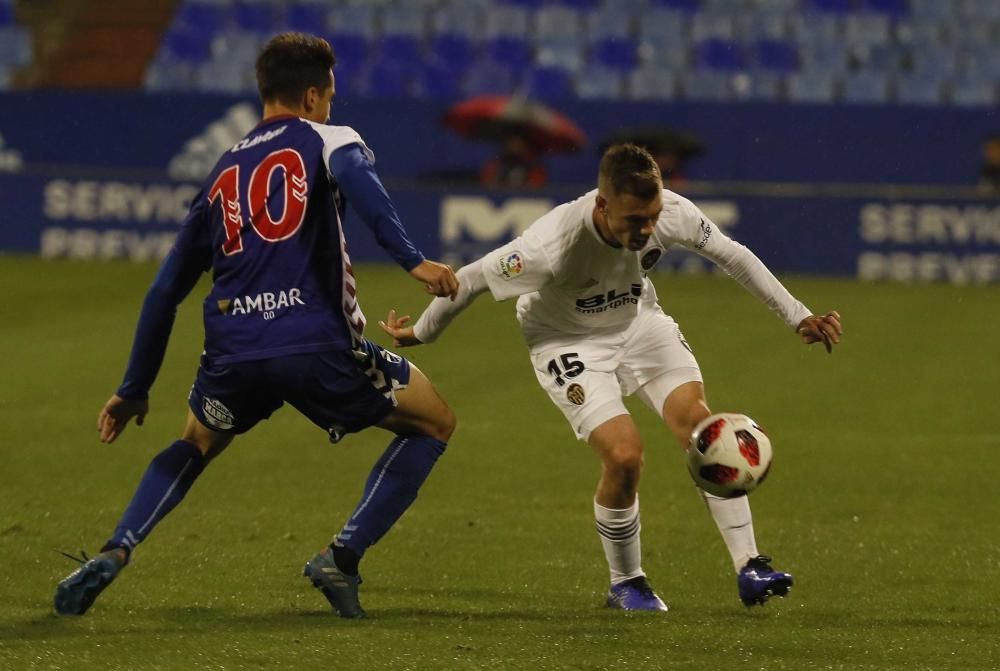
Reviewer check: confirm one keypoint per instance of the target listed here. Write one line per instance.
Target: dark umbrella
(496, 118)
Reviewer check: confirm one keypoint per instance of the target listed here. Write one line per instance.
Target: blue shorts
(341, 391)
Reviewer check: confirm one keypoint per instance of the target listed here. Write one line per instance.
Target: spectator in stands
(518, 164)
(670, 148)
(989, 173)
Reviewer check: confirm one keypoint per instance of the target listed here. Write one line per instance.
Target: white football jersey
(570, 281)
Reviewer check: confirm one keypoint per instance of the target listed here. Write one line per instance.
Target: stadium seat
(617, 53)
(973, 91)
(404, 20)
(814, 29)
(600, 84)
(182, 45)
(919, 33)
(867, 29)
(582, 5)
(503, 21)
(607, 23)
(386, 80)
(766, 26)
(938, 61)
(439, 81)
(466, 20)
(824, 57)
(6, 19)
(811, 87)
(652, 83)
(919, 88)
(981, 9)
(222, 76)
(548, 83)
(514, 52)
(883, 57)
(254, 17)
(555, 23)
(401, 49)
(162, 75)
(203, 18)
(487, 76)
(658, 27)
(353, 19)
(718, 54)
(452, 48)
(712, 26)
(6, 78)
(866, 86)
(757, 85)
(777, 55)
(707, 85)
(932, 9)
(308, 18)
(566, 54)
(351, 49)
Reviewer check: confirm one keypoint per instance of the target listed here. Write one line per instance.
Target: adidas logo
(200, 153)
(10, 159)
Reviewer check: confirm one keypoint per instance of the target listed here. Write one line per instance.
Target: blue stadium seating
(855, 51)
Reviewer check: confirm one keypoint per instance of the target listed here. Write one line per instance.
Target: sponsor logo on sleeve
(510, 266)
(705, 229)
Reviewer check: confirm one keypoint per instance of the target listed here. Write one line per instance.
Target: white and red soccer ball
(729, 455)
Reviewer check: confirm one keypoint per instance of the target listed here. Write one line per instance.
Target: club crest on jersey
(511, 265)
(650, 257)
(575, 394)
(266, 302)
(217, 414)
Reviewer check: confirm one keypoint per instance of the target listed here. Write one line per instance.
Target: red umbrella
(499, 117)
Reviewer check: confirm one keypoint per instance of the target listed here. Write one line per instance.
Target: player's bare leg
(683, 409)
(616, 510)
(167, 479)
(423, 423)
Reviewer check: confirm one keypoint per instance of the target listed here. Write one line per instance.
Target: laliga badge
(650, 257)
(510, 266)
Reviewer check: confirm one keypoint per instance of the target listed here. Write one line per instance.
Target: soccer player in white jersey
(596, 333)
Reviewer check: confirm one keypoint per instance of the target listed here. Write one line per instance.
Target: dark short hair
(628, 168)
(291, 63)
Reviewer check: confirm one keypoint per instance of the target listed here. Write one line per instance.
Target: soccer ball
(729, 455)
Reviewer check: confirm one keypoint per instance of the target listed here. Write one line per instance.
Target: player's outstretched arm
(439, 279)
(825, 328)
(115, 416)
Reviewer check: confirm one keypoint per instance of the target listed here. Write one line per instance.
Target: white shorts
(588, 377)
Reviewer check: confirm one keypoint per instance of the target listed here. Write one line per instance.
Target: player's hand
(825, 329)
(402, 335)
(115, 416)
(438, 278)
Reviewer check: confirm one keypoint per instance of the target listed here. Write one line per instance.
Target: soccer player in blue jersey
(282, 324)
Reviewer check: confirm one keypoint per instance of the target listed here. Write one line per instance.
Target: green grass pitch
(882, 500)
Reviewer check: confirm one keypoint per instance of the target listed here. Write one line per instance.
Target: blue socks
(391, 488)
(168, 478)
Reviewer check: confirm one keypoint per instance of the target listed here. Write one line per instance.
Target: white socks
(735, 523)
(619, 532)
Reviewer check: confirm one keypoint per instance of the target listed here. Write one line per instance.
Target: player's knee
(444, 424)
(625, 460)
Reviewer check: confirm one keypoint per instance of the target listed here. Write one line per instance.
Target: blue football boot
(634, 594)
(758, 582)
(78, 591)
(340, 589)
